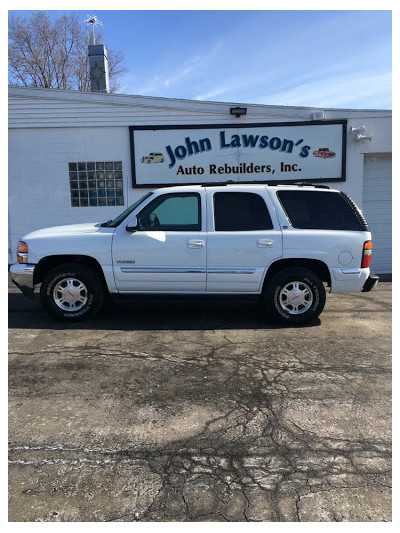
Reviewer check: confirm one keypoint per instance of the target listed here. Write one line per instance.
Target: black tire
(294, 296)
(72, 292)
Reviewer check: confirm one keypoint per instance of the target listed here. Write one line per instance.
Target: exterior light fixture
(238, 111)
(360, 134)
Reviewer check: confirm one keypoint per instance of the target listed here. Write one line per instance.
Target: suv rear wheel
(72, 292)
(294, 296)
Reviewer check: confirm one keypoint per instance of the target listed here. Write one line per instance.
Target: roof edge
(129, 99)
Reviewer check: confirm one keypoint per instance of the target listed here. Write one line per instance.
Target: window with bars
(96, 183)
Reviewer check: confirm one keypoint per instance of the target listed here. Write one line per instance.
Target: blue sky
(298, 58)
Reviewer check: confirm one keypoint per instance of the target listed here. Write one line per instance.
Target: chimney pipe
(98, 65)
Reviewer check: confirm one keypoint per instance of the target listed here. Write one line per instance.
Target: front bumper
(22, 276)
(370, 284)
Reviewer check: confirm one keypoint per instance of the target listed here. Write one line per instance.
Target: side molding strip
(188, 270)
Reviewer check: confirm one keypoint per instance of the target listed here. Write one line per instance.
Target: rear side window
(240, 211)
(321, 210)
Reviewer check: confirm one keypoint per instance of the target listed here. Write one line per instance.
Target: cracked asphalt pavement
(187, 410)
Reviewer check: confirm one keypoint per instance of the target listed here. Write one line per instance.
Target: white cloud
(335, 92)
(212, 93)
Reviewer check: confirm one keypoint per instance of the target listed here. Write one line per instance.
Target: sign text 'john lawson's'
(191, 147)
(246, 153)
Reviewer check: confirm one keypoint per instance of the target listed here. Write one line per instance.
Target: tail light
(366, 255)
(22, 252)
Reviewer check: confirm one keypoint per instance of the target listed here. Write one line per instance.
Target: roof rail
(268, 183)
(219, 183)
(308, 184)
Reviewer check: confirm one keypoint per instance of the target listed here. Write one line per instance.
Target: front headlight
(22, 252)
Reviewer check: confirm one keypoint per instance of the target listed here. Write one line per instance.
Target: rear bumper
(348, 279)
(371, 283)
(22, 276)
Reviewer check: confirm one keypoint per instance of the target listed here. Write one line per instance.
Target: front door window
(171, 212)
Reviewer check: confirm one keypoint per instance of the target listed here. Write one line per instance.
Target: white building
(80, 157)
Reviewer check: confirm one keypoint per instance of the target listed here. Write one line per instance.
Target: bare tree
(54, 55)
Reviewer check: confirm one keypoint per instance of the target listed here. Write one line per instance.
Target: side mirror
(132, 226)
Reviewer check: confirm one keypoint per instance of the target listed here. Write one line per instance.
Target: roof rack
(308, 184)
(219, 183)
(268, 183)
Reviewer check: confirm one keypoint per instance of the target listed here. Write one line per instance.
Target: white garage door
(377, 208)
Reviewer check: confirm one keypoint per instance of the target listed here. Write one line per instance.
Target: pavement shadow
(150, 313)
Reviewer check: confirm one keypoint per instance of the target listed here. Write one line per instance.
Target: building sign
(278, 152)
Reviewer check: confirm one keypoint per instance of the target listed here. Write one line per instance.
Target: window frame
(271, 222)
(175, 194)
(347, 207)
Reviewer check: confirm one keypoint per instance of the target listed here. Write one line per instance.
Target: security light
(238, 111)
(360, 134)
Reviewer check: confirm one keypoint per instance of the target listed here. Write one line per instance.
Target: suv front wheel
(294, 296)
(72, 292)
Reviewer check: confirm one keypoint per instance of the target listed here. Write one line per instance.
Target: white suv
(285, 244)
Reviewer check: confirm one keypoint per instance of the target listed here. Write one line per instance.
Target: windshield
(117, 221)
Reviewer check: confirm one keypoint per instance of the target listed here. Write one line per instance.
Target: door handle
(265, 243)
(195, 243)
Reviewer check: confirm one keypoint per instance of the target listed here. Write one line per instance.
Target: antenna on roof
(94, 21)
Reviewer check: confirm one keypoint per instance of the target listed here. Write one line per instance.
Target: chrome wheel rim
(296, 297)
(70, 294)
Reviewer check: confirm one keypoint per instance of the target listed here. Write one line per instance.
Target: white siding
(38, 186)
(377, 207)
(33, 107)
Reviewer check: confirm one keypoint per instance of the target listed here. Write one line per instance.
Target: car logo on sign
(153, 157)
(324, 153)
